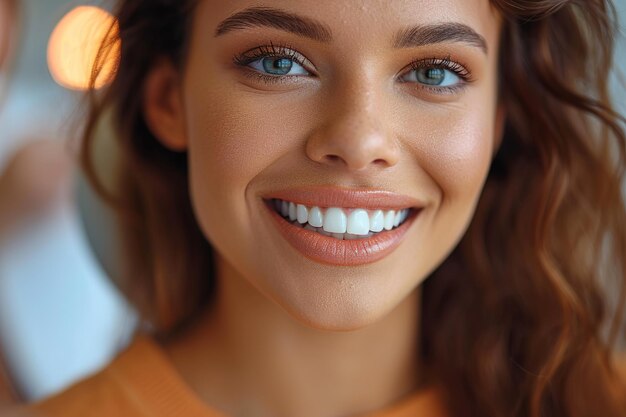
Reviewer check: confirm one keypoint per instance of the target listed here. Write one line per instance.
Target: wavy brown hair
(523, 319)
(8, 29)
(8, 16)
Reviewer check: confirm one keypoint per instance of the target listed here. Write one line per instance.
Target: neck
(247, 347)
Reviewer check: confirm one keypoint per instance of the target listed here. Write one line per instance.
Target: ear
(499, 128)
(163, 106)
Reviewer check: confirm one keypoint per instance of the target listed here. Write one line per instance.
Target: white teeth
(389, 218)
(292, 212)
(335, 221)
(396, 219)
(302, 214)
(358, 222)
(405, 214)
(316, 218)
(377, 221)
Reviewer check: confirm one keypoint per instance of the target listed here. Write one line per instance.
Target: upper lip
(328, 196)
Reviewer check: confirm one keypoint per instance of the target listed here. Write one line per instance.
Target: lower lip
(328, 250)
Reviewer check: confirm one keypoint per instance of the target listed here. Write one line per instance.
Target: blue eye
(433, 77)
(277, 65)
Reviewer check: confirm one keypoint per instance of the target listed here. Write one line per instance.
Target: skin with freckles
(355, 110)
(246, 138)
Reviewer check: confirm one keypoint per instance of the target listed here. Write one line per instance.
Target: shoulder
(98, 395)
(109, 392)
(140, 382)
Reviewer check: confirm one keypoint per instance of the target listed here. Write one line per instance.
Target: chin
(338, 314)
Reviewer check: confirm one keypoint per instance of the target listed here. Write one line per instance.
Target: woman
(365, 208)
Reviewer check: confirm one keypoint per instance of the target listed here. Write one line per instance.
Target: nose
(354, 134)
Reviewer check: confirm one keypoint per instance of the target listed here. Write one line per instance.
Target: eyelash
(286, 51)
(269, 51)
(447, 63)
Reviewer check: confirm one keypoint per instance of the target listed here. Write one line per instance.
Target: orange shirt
(142, 382)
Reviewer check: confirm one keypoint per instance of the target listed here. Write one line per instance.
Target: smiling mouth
(340, 223)
(343, 226)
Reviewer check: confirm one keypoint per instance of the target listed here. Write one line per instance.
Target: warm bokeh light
(74, 46)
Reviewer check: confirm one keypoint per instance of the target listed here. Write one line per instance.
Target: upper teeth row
(336, 220)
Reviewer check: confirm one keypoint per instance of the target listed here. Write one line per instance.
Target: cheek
(461, 160)
(455, 151)
(239, 135)
(233, 138)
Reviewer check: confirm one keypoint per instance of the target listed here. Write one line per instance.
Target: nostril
(333, 158)
(338, 160)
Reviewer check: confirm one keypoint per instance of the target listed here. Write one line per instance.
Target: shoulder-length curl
(8, 35)
(8, 16)
(523, 319)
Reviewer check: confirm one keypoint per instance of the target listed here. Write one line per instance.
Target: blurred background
(620, 63)
(60, 317)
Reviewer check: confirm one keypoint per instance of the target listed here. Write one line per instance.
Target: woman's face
(350, 110)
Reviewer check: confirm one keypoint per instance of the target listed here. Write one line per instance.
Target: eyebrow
(416, 36)
(439, 33)
(279, 19)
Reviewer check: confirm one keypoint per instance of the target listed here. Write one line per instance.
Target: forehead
(365, 21)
